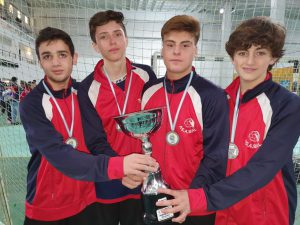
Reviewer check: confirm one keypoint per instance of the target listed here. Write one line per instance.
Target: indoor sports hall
(21, 20)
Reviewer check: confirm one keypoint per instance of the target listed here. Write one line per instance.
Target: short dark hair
(14, 79)
(182, 23)
(104, 17)
(49, 34)
(259, 31)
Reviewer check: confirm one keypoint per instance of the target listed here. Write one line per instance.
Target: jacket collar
(99, 74)
(176, 86)
(60, 93)
(232, 89)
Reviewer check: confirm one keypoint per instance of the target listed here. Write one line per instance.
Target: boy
(191, 144)
(52, 122)
(260, 188)
(113, 89)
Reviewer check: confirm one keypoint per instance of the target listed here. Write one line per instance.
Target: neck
(57, 86)
(115, 70)
(246, 85)
(177, 76)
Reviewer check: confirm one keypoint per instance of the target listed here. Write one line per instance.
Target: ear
(95, 46)
(126, 40)
(75, 57)
(232, 60)
(196, 51)
(273, 61)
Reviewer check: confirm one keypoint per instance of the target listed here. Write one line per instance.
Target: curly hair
(258, 31)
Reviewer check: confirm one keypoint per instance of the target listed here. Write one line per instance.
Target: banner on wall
(284, 77)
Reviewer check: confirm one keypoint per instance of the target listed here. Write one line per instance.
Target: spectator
(2, 102)
(26, 89)
(14, 102)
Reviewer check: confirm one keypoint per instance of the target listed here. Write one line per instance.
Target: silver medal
(233, 151)
(72, 141)
(172, 138)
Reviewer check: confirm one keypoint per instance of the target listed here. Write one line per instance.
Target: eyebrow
(115, 31)
(183, 42)
(47, 52)
(262, 48)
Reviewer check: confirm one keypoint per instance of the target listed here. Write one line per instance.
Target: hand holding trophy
(140, 125)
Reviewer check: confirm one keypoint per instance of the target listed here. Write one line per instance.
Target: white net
(22, 19)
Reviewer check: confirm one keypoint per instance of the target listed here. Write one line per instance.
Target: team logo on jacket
(252, 140)
(188, 127)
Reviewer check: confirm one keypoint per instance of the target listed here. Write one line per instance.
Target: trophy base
(153, 214)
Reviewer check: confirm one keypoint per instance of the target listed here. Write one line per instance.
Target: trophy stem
(147, 146)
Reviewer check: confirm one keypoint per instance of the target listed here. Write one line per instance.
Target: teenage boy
(260, 188)
(113, 89)
(191, 144)
(51, 118)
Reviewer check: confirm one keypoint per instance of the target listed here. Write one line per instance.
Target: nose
(250, 58)
(176, 50)
(56, 61)
(112, 39)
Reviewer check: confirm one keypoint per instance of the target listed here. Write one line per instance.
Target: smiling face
(179, 50)
(111, 41)
(252, 65)
(57, 62)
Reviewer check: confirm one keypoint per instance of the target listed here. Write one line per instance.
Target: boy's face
(111, 41)
(252, 65)
(178, 52)
(57, 62)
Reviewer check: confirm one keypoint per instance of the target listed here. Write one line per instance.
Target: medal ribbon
(114, 93)
(173, 124)
(70, 131)
(235, 116)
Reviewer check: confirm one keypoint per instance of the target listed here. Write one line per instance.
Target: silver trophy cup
(140, 125)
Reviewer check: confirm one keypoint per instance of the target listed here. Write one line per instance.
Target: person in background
(60, 171)
(14, 102)
(33, 84)
(2, 102)
(260, 186)
(8, 96)
(113, 89)
(25, 89)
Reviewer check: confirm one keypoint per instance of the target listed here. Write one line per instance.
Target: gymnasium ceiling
(240, 7)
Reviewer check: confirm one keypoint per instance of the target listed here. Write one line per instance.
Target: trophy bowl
(141, 125)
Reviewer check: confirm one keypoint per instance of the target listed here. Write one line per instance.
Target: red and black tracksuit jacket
(54, 187)
(260, 188)
(200, 157)
(99, 108)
